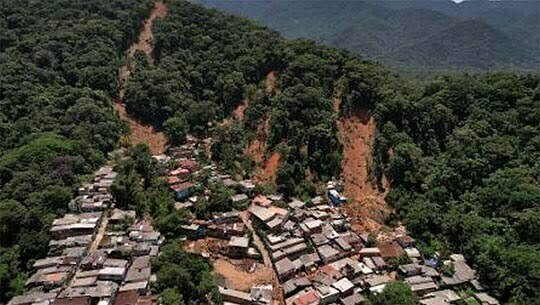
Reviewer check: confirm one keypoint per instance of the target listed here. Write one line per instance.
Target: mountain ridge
(379, 29)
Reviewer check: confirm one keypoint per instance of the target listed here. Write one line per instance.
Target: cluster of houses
(185, 166)
(319, 260)
(98, 254)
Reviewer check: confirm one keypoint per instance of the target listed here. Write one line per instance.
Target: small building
(47, 280)
(182, 205)
(226, 217)
(486, 299)
(327, 294)
(182, 190)
(140, 287)
(284, 268)
(353, 299)
(405, 241)
(423, 288)
(344, 286)
(30, 298)
(138, 274)
(238, 246)
(336, 198)
(311, 226)
(239, 198)
(438, 297)
(294, 285)
(296, 204)
(235, 296)
(84, 300)
(344, 245)
(310, 260)
(370, 252)
(112, 274)
(262, 201)
(328, 254)
(379, 262)
(410, 269)
(462, 272)
(262, 293)
(261, 214)
(306, 297)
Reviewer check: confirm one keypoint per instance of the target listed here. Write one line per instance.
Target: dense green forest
(418, 37)
(58, 62)
(461, 152)
(464, 168)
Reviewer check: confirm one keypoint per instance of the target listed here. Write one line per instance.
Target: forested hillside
(58, 63)
(415, 36)
(464, 167)
(203, 70)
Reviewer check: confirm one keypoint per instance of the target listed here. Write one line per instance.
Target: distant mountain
(414, 35)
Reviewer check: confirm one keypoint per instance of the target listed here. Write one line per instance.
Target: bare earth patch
(242, 274)
(270, 83)
(366, 207)
(267, 165)
(140, 133)
(238, 113)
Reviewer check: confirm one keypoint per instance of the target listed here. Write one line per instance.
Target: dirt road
(99, 235)
(278, 292)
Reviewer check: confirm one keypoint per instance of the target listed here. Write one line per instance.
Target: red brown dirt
(270, 83)
(238, 113)
(267, 164)
(209, 245)
(141, 133)
(267, 174)
(366, 207)
(238, 276)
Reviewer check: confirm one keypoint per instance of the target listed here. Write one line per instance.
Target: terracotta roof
(127, 298)
(308, 298)
(85, 300)
(181, 186)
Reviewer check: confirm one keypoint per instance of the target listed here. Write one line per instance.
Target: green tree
(176, 128)
(171, 296)
(395, 293)
(127, 190)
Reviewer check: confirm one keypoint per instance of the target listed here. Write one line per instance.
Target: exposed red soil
(242, 274)
(267, 164)
(256, 149)
(141, 133)
(366, 207)
(270, 83)
(267, 174)
(238, 113)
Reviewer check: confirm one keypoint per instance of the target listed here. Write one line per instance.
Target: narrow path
(141, 133)
(101, 232)
(277, 290)
(366, 207)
